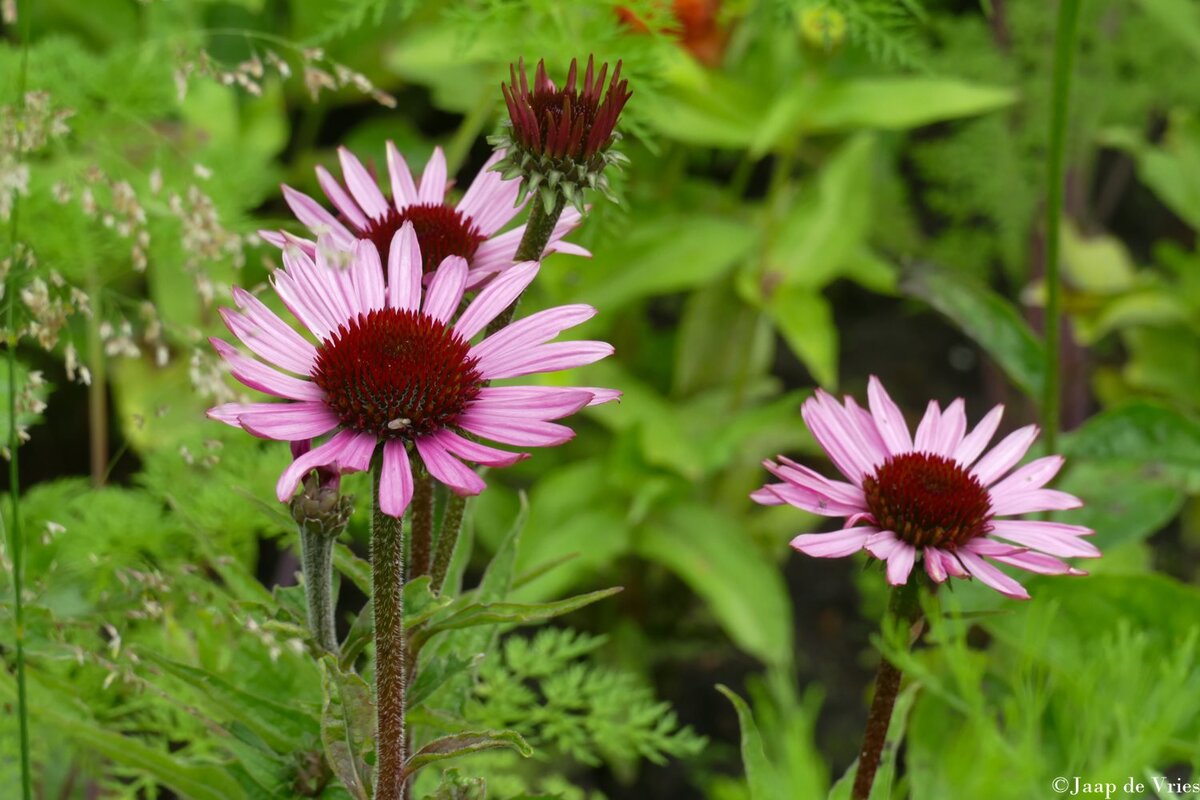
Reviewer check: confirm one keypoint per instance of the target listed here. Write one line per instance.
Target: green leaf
(1178, 18)
(26, 419)
(347, 727)
(761, 775)
(989, 319)
(356, 569)
(886, 774)
(895, 103)
(461, 744)
(503, 613)
(745, 592)
(284, 728)
(1141, 433)
(805, 319)
(1121, 502)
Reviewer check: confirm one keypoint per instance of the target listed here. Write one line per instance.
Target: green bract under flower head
(559, 141)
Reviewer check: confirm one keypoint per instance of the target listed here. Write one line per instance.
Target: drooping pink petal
(900, 563)
(1055, 538)
(474, 451)
(974, 442)
(395, 479)
(322, 456)
(927, 431)
(514, 431)
(533, 330)
(433, 179)
(601, 396)
(494, 298)
(1033, 475)
(258, 375)
(460, 478)
(834, 498)
(1037, 500)
(550, 357)
(888, 419)
(531, 402)
(991, 576)
(288, 422)
(404, 270)
(832, 545)
(1004, 456)
(344, 203)
(362, 185)
(934, 567)
(446, 289)
(882, 544)
(314, 217)
(404, 190)
(992, 548)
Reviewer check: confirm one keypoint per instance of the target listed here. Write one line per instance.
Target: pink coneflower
(469, 230)
(931, 496)
(391, 368)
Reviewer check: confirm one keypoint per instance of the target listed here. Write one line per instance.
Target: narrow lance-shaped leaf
(761, 776)
(347, 725)
(461, 744)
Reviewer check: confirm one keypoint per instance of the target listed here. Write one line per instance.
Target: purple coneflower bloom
(932, 496)
(391, 366)
(469, 229)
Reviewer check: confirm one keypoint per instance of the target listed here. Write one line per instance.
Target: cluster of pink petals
(489, 203)
(323, 297)
(858, 441)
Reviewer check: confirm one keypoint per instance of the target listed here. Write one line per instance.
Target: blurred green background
(819, 191)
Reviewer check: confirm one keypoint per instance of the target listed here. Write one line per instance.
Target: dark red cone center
(926, 499)
(441, 230)
(396, 374)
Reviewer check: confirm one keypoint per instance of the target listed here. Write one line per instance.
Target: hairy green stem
(316, 556)
(538, 229)
(17, 542)
(422, 523)
(387, 570)
(903, 605)
(452, 520)
(1064, 54)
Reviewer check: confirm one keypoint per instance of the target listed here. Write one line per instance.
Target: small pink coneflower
(390, 366)
(932, 496)
(470, 229)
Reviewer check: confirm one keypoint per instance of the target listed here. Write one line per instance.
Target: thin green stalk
(452, 520)
(903, 604)
(387, 569)
(316, 556)
(468, 130)
(538, 229)
(98, 388)
(1064, 54)
(17, 544)
(422, 523)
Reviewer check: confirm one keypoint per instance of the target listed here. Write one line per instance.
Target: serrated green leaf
(761, 775)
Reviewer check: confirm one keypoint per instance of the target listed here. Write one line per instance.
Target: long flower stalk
(316, 556)
(391, 679)
(902, 605)
(422, 523)
(1064, 54)
(451, 532)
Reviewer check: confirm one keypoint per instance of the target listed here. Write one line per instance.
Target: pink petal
(473, 451)
(900, 563)
(1004, 456)
(404, 270)
(446, 288)
(544, 358)
(601, 396)
(974, 442)
(1054, 538)
(259, 376)
(490, 201)
(404, 191)
(495, 297)
(990, 576)
(888, 419)
(1039, 563)
(366, 273)
(328, 453)
(461, 479)
(362, 185)
(927, 432)
(933, 565)
(290, 352)
(433, 180)
(833, 498)
(766, 497)
(882, 544)
(1037, 500)
(337, 195)
(513, 431)
(827, 425)
(531, 402)
(395, 479)
(1033, 475)
(289, 422)
(991, 548)
(314, 216)
(950, 431)
(832, 545)
(531, 331)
